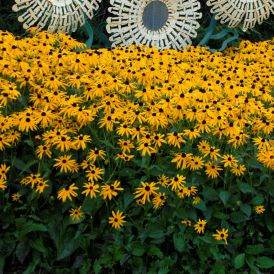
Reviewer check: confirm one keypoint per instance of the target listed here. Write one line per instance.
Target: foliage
(134, 160)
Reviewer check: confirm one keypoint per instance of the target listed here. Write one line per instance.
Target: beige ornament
(159, 23)
(60, 15)
(245, 12)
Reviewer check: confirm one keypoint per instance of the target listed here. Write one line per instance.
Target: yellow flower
(117, 219)
(41, 186)
(260, 209)
(200, 226)
(177, 182)
(212, 170)
(43, 150)
(221, 235)
(229, 160)
(94, 173)
(3, 185)
(91, 189)
(67, 192)
(186, 222)
(80, 142)
(145, 191)
(16, 197)
(76, 214)
(238, 170)
(3, 171)
(109, 191)
(66, 164)
(159, 200)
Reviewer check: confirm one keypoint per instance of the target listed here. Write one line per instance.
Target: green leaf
(265, 262)
(39, 245)
(97, 266)
(163, 270)
(2, 263)
(19, 164)
(127, 172)
(138, 250)
(269, 223)
(128, 199)
(155, 232)
(246, 209)
(254, 249)
(32, 266)
(28, 165)
(258, 200)
(210, 194)
(155, 251)
(29, 142)
(179, 241)
(201, 206)
(238, 217)
(246, 188)
(29, 227)
(220, 215)
(224, 196)
(22, 251)
(239, 261)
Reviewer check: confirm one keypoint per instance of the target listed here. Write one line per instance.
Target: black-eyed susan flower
(186, 222)
(177, 182)
(221, 235)
(200, 226)
(117, 219)
(76, 214)
(43, 150)
(94, 173)
(3, 185)
(146, 148)
(66, 164)
(159, 200)
(110, 191)
(15, 197)
(238, 170)
(190, 191)
(91, 190)
(40, 186)
(259, 209)
(175, 139)
(95, 154)
(3, 171)
(181, 159)
(195, 163)
(145, 191)
(67, 192)
(229, 160)
(212, 170)
(80, 142)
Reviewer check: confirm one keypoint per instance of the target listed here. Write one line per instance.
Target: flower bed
(135, 159)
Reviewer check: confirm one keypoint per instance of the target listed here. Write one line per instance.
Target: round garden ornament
(246, 12)
(60, 15)
(159, 23)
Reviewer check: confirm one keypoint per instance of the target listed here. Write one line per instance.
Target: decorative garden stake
(211, 36)
(159, 23)
(59, 15)
(245, 12)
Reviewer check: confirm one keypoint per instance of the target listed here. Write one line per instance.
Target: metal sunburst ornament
(159, 23)
(59, 15)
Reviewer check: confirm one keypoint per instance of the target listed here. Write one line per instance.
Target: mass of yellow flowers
(86, 115)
